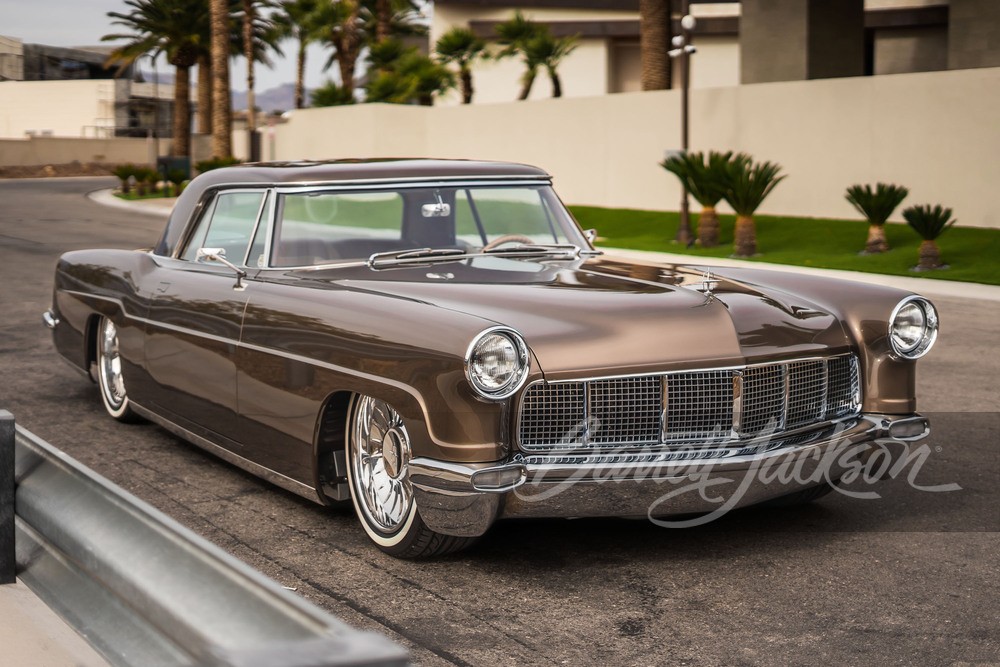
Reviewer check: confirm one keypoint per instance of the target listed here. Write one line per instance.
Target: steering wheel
(508, 238)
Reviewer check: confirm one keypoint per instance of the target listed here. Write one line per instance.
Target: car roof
(332, 172)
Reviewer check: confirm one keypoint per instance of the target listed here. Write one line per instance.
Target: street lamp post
(683, 50)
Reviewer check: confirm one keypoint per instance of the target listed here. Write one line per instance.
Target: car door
(195, 317)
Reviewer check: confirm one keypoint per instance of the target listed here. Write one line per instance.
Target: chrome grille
(763, 399)
(552, 415)
(843, 387)
(806, 393)
(699, 406)
(689, 408)
(625, 410)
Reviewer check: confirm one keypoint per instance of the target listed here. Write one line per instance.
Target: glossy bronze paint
(251, 370)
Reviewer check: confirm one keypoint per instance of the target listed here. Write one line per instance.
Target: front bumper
(465, 499)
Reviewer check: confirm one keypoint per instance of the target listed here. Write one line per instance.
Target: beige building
(737, 42)
(49, 91)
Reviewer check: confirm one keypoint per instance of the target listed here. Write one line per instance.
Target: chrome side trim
(264, 473)
(278, 353)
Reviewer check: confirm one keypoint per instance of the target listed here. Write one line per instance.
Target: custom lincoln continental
(438, 342)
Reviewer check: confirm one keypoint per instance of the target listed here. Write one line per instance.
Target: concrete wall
(913, 129)
(63, 150)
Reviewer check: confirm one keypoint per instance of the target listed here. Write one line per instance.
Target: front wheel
(109, 373)
(378, 458)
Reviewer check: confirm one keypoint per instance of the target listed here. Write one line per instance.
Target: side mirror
(219, 255)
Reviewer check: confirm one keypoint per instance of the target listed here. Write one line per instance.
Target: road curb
(105, 197)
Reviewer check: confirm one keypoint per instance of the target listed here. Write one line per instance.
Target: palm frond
(748, 183)
(928, 221)
(877, 203)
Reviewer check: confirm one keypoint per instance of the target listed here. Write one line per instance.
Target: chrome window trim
(264, 206)
(206, 206)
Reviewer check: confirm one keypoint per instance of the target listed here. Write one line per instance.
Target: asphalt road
(909, 579)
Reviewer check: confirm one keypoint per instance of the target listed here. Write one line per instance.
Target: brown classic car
(438, 342)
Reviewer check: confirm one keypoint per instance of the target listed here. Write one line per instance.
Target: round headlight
(497, 363)
(913, 327)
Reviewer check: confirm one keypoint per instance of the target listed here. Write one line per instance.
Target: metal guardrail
(144, 590)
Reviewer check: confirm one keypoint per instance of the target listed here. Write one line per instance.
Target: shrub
(124, 172)
(216, 163)
(748, 184)
(930, 223)
(876, 205)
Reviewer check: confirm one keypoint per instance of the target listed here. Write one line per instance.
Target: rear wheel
(378, 450)
(109, 373)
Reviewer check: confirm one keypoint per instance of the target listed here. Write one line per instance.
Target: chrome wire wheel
(109, 372)
(380, 453)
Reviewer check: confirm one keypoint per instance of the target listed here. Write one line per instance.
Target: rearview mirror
(438, 210)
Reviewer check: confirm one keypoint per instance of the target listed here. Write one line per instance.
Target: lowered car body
(439, 342)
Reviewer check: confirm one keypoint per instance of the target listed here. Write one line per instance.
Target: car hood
(602, 316)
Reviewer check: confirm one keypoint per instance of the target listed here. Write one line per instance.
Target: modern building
(752, 41)
(75, 92)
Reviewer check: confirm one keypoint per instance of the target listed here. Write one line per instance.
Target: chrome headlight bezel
(927, 337)
(516, 381)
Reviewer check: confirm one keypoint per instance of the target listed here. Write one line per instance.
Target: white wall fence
(937, 133)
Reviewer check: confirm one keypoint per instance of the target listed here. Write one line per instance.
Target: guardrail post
(7, 569)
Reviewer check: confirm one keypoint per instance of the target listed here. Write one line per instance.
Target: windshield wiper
(532, 249)
(418, 256)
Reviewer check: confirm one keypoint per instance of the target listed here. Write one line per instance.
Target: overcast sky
(84, 22)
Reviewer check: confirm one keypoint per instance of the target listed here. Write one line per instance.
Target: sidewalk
(32, 635)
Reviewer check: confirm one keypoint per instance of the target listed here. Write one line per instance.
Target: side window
(228, 225)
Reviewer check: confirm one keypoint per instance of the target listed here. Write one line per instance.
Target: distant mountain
(280, 98)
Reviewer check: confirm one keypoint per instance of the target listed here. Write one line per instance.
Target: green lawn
(972, 253)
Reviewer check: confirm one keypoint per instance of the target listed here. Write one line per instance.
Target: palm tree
(930, 223)
(259, 35)
(705, 179)
(343, 29)
(876, 205)
(297, 19)
(205, 91)
(747, 184)
(461, 47)
(409, 76)
(328, 95)
(222, 121)
(514, 34)
(171, 27)
(548, 52)
(655, 28)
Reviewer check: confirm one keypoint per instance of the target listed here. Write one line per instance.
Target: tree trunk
(930, 256)
(708, 227)
(556, 83)
(204, 94)
(300, 76)
(876, 240)
(383, 8)
(181, 144)
(527, 81)
(222, 122)
(466, 77)
(248, 16)
(745, 241)
(655, 30)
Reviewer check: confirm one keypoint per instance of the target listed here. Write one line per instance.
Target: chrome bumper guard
(465, 499)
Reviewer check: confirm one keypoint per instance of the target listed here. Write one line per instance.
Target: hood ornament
(708, 284)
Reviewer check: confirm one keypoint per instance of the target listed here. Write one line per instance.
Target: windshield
(324, 226)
